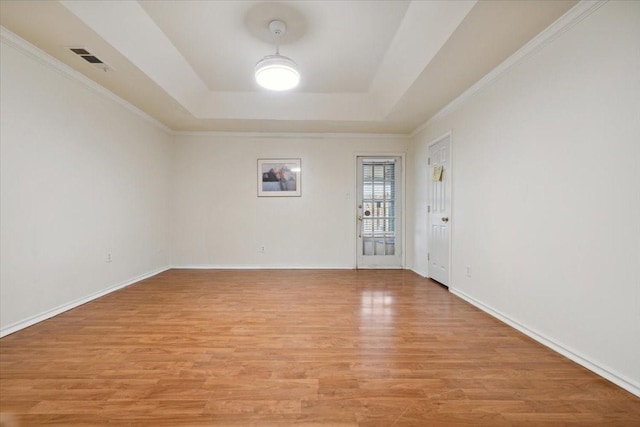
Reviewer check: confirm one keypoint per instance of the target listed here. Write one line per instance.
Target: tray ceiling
(367, 66)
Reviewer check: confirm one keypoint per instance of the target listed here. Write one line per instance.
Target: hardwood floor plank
(294, 347)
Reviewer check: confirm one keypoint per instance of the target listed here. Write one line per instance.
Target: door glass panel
(378, 207)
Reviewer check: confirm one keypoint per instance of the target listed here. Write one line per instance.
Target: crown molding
(563, 24)
(10, 39)
(289, 135)
(286, 135)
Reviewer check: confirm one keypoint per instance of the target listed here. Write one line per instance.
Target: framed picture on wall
(279, 177)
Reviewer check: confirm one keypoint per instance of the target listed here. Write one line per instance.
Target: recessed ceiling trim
(288, 106)
(294, 135)
(426, 27)
(130, 30)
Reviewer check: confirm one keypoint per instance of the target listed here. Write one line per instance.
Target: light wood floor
(367, 348)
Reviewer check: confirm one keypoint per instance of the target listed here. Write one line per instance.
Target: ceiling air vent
(90, 58)
(80, 51)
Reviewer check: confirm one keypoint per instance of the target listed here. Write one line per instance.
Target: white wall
(546, 193)
(81, 176)
(220, 222)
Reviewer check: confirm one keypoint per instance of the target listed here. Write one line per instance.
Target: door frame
(448, 134)
(403, 203)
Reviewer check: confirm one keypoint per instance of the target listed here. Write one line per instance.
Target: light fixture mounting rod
(277, 28)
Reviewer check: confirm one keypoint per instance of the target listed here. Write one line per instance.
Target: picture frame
(279, 177)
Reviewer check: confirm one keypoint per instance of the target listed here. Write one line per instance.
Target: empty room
(319, 213)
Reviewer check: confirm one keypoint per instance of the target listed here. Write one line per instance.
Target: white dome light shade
(277, 72)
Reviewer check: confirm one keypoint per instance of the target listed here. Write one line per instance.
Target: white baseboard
(258, 267)
(420, 272)
(15, 327)
(619, 380)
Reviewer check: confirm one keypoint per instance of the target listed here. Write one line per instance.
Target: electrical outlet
(468, 271)
(261, 249)
(109, 257)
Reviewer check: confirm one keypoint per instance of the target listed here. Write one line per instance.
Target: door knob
(445, 219)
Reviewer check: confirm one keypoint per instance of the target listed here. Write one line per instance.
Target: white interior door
(379, 212)
(439, 208)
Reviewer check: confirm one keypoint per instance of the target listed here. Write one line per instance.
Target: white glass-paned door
(379, 212)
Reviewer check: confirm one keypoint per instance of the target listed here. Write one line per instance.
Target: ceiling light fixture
(277, 72)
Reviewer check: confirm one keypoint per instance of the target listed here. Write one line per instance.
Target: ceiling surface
(366, 66)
